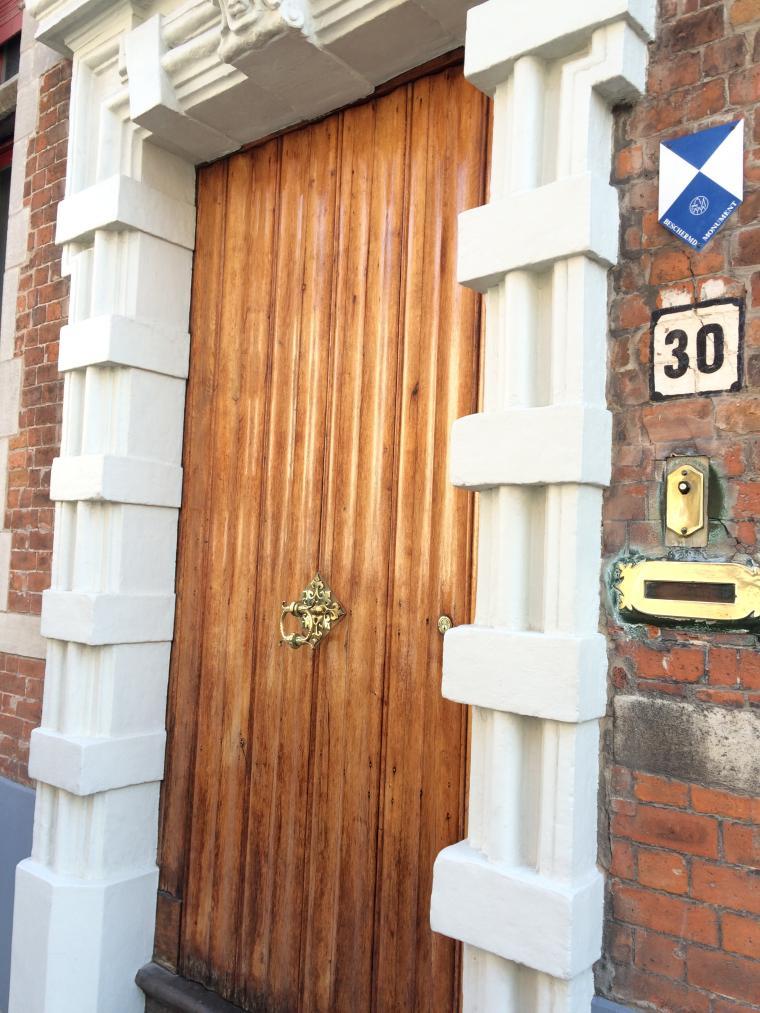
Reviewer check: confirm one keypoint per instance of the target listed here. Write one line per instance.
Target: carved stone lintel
(250, 25)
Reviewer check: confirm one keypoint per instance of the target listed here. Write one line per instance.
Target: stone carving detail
(249, 25)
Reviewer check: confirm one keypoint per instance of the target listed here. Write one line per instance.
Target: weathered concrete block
(716, 747)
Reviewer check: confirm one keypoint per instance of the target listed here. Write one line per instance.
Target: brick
(679, 421)
(663, 870)
(724, 803)
(659, 993)
(694, 31)
(626, 502)
(619, 942)
(628, 162)
(724, 974)
(649, 788)
(741, 934)
(669, 828)
(681, 664)
(728, 1006)
(630, 312)
(723, 667)
(724, 56)
(749, 669)
(681, 70)
(669, 265)
(741, 845)
(748, 247)
(622, 861)
(660, 954)
(747, 503)
(720, 697)
(725, 887)
(741, 12)
(672, 915)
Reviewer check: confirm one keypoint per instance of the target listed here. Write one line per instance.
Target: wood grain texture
(308, 792)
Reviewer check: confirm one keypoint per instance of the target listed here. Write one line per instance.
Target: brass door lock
(686, 501)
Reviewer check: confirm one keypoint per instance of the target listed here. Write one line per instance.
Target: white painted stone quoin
(158, 87)
(524, 892)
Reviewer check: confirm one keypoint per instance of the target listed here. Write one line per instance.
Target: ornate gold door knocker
(316, 610)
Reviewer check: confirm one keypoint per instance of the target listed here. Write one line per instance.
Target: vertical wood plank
(292, 474)
(423, 785)
(182, 707)
(210, 915)
(356, 539)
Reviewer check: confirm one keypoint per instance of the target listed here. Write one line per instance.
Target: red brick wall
(41, 310)
(682, 849)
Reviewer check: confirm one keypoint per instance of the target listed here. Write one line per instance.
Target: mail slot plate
(680, 590)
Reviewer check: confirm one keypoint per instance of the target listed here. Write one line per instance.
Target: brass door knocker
(316, 610)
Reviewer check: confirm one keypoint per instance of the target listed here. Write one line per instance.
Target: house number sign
(696, 349)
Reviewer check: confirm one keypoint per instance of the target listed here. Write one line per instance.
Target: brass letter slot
(670, 589)
(689, 590)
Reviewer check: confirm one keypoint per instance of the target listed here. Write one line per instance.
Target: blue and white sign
(701, 181)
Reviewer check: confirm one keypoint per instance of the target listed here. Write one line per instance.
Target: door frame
(160, 86)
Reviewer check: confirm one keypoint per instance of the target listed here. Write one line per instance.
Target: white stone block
(500, 31)
(534, 228)
(162, 296)
(350, 31)
(84, 766)
(154, 105)
(108, 835)
(18, 237)
(532, 446)
(121, 202)
(121, 548)
(130, 681)
(136, 690)
(152, 417)
(78, 943)
(121, 341)
(116, 480)
(549, 925)
(10, 393)
(20, 634)
(562, 678)
(26, 108)
(5, 563)
(145, 558)
(566, 799)
(89, 618)
(3, 477)
(8, 313)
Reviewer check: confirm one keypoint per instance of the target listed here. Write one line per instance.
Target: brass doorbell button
(686, 501)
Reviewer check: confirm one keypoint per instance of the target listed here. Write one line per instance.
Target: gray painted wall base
(16, 820)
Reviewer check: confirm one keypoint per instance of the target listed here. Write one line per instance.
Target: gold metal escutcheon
(316, 610)
(684, 590)
(444, 624)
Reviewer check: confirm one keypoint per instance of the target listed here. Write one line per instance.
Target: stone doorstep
(166, 992)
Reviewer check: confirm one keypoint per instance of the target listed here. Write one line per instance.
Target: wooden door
(308, 791)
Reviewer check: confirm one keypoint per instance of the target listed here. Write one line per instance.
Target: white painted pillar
(85, 900)
(524, 892)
